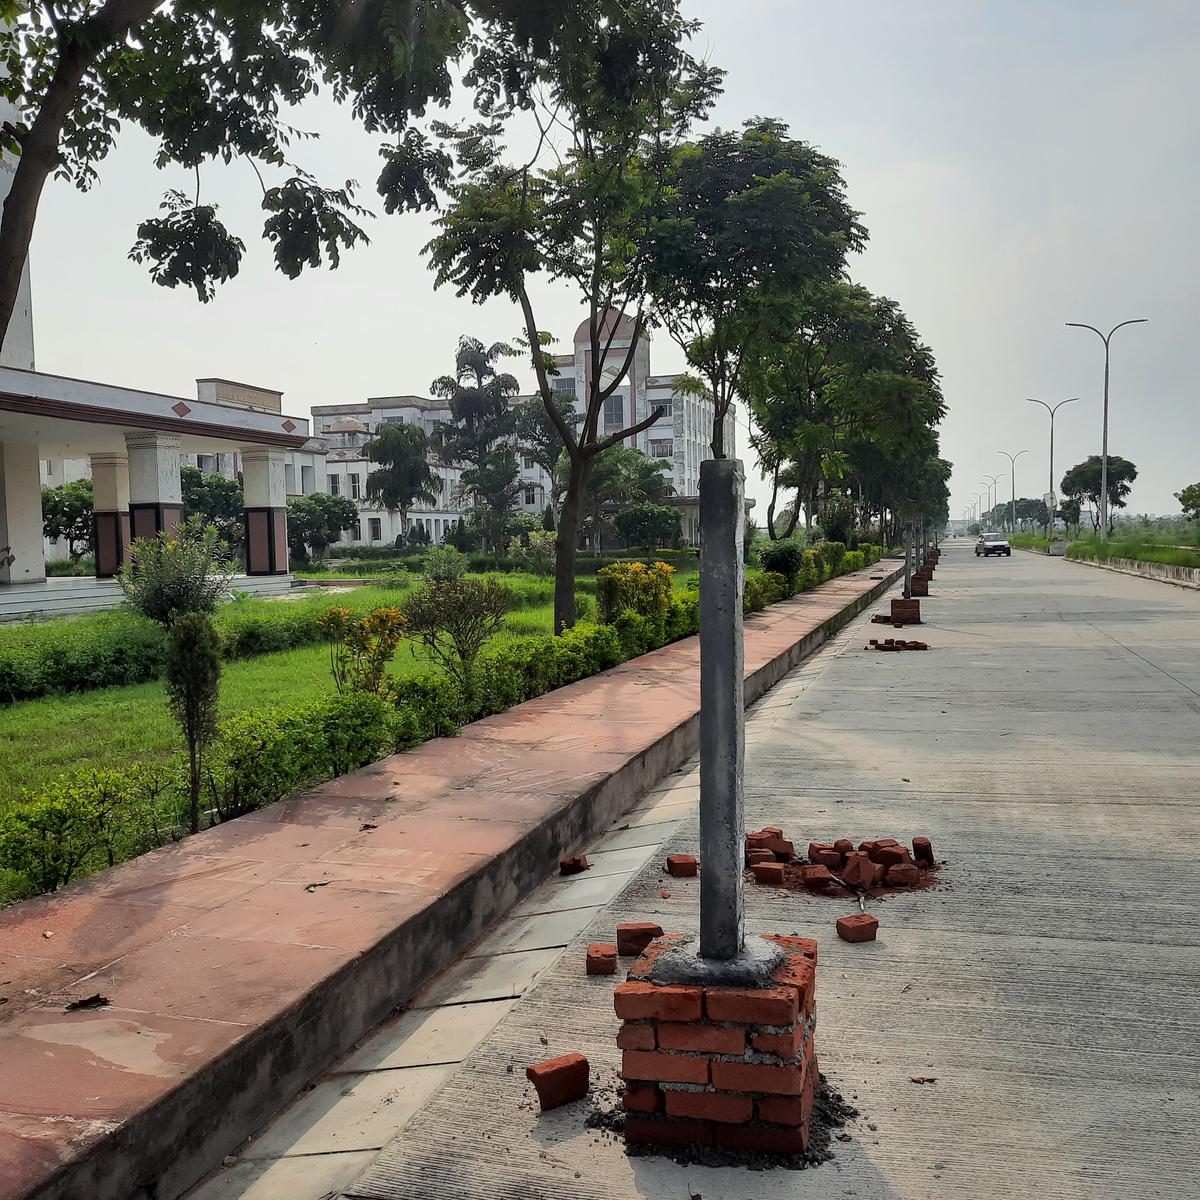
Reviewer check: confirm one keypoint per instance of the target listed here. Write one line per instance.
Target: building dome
(347, 425)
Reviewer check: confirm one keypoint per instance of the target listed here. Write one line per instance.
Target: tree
(1083, 481)
(1189, 501)
(67, 514)
(609, 101)
(749, 218)
(214, 499)
(453, 619)
(318, 520)
(478, 436)
(619, 477)
(1069, 512)
(214, 82)
(649, 526)
(403, 475)
(538, 438)
(193, 682)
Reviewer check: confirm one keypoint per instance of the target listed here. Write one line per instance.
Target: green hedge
(91, 819)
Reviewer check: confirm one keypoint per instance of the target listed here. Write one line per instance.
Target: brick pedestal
(717, 1065)
(906, 612)
(919, 586)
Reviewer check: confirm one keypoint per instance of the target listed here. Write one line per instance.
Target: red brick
(760, 1006)
(828, 857)
(902, 875)
(859, 871)
(657, 1131)
(800, 945)
(663, 1068)
(601, 959)
(784, 1110)
(636, 1001)
(816, 878)
(710, 1106)
(636, 1037)
(800, 973)
(559, 1080)
(773, 830)
(843, 846)
(682, 866)
(783, 850)
(643, 1098)
(644, 963)
(702, 1038)
(923, 851)
(782, 1045)
(891, 856)
(758, 856)
(859, 927)
(768, 872)
(573, 864)
(782, 1080)
(634, 936)
(817, 847)
(758, 841)
(763, 1138)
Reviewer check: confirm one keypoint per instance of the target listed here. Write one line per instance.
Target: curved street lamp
(1051, 411)
(1105, 338)
(993, 482)
(1012, 458)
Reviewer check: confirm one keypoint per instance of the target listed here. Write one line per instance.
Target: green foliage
(445, 563)
(774, 586)
(217, 500)
(853, 560)
(1189, 501)
(361, 648)
(785, 557)
(641, 588)
(832, 554)
(754, 596)
(649, 525)
(178, 572)
(402, 475)
(318, 520)
(67, 514)
(193, 679)
(1083, 482)
(453, 618)
(535, 552)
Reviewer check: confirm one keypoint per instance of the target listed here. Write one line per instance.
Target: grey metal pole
(722, 709)
(907, 562)
(1106, 338)
(1052, 412)
(1012, 511)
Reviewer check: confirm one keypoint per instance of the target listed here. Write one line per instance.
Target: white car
(992, 543)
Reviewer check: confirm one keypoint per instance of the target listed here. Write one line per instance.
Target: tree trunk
(565, 546)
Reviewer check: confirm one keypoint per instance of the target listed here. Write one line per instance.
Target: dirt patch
(929, 879)
(830, 1114)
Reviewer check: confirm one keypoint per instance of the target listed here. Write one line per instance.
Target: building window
(356, 532)
(661, 448)
(335, 485)
(614, 411)
(563, 383)
(668, 411)
(354, 488)
(528, 463)
(530, 496)
(375, 525)
(308, 480)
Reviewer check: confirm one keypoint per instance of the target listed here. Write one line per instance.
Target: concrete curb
(1129, 566)
(161, 1150)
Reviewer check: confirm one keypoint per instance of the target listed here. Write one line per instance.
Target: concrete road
(1048, 744)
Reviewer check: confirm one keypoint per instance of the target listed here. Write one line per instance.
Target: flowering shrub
(360, 648)
(642, 588)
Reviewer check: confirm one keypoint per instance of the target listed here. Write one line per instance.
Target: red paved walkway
(230, 984)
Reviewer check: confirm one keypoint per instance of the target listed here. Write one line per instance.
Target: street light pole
(1052, 411)
(1105, 338)
(993, 481)
(1012, 512)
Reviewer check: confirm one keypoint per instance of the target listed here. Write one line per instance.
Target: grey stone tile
(427, 1037)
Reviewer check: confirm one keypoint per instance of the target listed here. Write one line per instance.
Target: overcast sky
(1019, 164)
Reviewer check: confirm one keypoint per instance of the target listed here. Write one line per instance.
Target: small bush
(785, 557)
(180, 571)
(753, 597)
(853, 560)
(683, 616)
(454, 618)
(633, 587)
(774, 586)
(362, 648)
(535, 552)
(444, 563)
(832, 554)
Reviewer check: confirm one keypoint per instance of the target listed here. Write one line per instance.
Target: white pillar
(110, 523)
(155, 491)
(264, 487)
(22, 552)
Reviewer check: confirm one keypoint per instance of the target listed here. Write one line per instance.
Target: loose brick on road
(559, 1080)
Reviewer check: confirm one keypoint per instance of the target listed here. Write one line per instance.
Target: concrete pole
(722, 710)
(22, 550)
(907, 562)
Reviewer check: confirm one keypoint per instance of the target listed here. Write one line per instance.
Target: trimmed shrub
(785, 557)
(454, 618)
(774, 586)
(754, 598)
(644, 589)
(832, 554)
(853, 560)
(683, 616)
(443, 563)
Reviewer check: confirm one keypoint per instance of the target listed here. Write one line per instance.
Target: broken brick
(634, 936)
(816, 878)
(784, 1110)
(843, 846)
(757, 856)
(923, 851)
(601, 959)
(682, 866)
(782, 1045)
(903, 874)
(889, 856)
(768, 872)
(798, 945)
(858, 927)
(573, 864)
(752, 1006)
(828, 857)
(632, 1036)
(559, 1080)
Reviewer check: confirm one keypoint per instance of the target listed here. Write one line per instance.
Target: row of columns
(137, 494)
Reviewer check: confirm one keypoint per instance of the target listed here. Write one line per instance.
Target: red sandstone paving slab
(223, 978)
(31, 1148)
(102, 1064)
(340, 811)
(342, 915)
(26, 982)
(433, 872)
(87, 930)
(438, 832)
(268, 842)
(177, 876)
(367, 877)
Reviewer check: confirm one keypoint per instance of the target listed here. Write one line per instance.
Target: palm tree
(404, 475)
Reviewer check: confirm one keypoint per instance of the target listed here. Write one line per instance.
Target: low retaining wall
(239, 965)
(1187, 577)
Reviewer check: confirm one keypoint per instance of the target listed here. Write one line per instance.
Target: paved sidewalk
(1047, 744)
